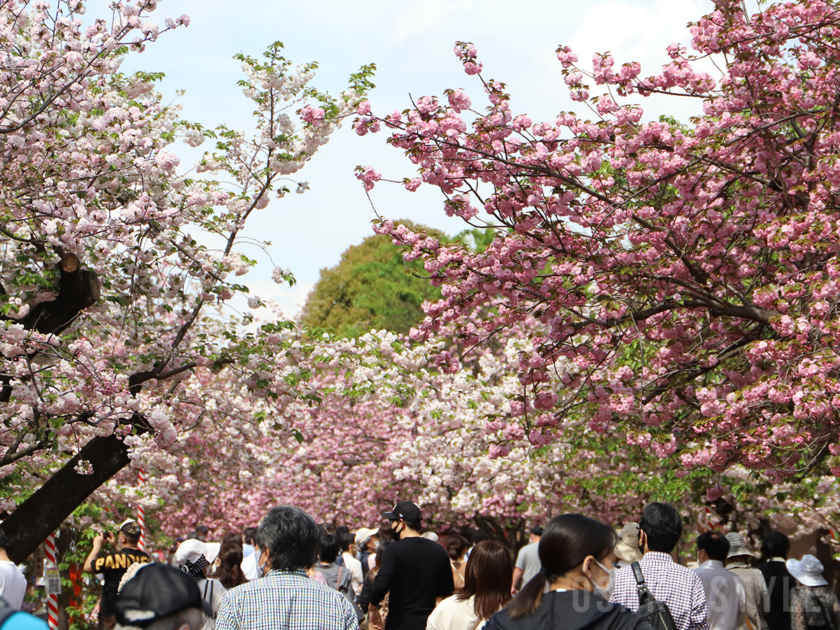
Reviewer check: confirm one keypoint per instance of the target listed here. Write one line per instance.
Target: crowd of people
(577, 573)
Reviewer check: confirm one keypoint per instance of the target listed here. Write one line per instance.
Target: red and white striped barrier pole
(52, 598)
(141, 516)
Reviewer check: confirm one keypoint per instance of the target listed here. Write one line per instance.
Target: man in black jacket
(415, 572)
(775, 550)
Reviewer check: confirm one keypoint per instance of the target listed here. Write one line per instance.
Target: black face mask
(397, 533)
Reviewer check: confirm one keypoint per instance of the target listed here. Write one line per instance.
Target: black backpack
(655, 612)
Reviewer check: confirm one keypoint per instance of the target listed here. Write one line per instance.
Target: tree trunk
(43, 512)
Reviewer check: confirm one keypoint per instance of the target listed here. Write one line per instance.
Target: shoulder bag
(652, 610)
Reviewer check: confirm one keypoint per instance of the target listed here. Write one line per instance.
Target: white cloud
(411, 43)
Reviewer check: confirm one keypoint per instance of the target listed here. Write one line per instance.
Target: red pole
(141, 516)
(52, 600)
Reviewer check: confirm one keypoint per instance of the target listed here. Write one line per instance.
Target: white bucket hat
(807, 571)
(737, 546)
(192, 550)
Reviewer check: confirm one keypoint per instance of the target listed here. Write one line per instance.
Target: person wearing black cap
(160, 597)
(414, 571)
(114, 565)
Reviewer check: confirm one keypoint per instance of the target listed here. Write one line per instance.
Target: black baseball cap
(405, 510)
(157, 591)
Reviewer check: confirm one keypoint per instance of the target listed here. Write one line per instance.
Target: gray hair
(291, 537)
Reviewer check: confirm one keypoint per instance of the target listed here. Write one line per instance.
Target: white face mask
(604, 591)
(261, 567)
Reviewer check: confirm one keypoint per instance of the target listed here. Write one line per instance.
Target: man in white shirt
(250, 561)
(12, 581)
(726, 595)
(348, 553)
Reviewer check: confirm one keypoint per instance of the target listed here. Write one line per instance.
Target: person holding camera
(114, 565)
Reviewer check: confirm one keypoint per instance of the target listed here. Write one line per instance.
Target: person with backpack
(671, 584)
(578, 564)
(813, 604)
(338, 577)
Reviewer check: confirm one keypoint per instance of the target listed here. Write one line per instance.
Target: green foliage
(372, 287)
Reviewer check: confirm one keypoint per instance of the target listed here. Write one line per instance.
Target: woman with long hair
(456, 547)
(577, 558)
(228, 566)
(486, 589)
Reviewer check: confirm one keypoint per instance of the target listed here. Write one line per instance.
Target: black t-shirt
(414, 571)
(113, 566)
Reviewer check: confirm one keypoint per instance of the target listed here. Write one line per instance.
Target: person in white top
(726, 595)
(251, 561)
(486, 590)
(12, 581)
(348, 554)
(195, 558)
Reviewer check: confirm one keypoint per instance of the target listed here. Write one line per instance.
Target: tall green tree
(372, 287)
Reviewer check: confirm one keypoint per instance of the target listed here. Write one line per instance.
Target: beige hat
(364, 534)
(627, 549)
(737, 546)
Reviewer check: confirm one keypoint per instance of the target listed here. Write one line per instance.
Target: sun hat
(430, 536)
(157, 591)
(807, 571)
(193, 556)
(364, 534)
(737, 546)
(191, 550)
(627, 549)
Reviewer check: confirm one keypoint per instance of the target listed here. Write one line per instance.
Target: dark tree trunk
(43, 512)
(78, 289)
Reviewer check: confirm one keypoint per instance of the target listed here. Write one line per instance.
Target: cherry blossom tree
(116, 265)
(684, 273)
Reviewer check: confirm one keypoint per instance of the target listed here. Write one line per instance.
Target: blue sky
(411, 43)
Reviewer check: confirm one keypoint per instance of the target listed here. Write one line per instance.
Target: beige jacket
(756, 595)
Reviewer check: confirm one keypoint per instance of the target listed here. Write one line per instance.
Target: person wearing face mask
(285, 598)
(679, 587)
(414, 572)
(577, 559)
(367, 542)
